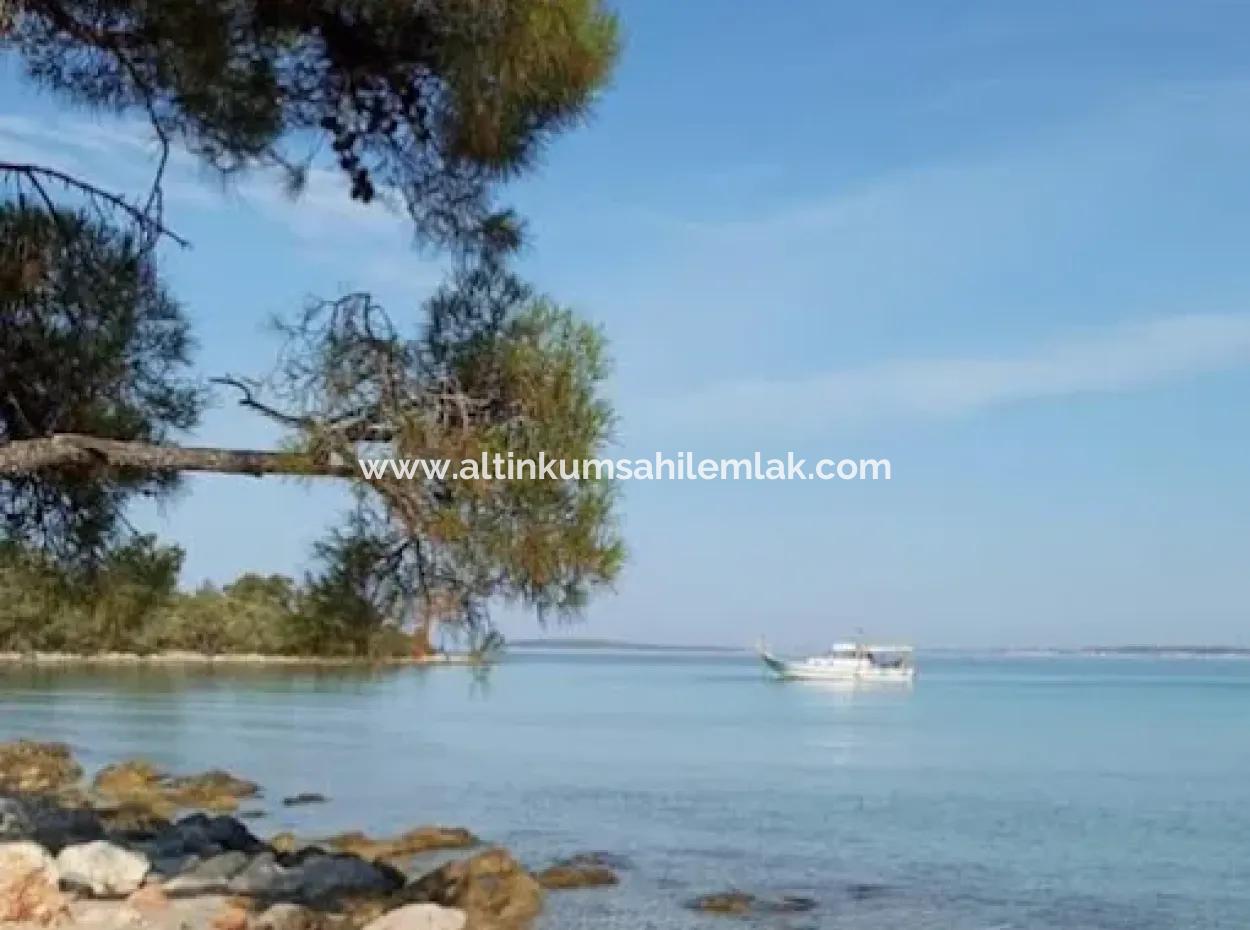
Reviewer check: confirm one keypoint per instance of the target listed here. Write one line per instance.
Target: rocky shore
(141, 848)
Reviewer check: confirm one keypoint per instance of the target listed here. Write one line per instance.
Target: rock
(232, 916)
(214, 790)
(140, 783)
(576, 876)
(422, 839)
(490, 887)
(132, 823)
(167, 867)
(328, 877)
(57, 827)
(150, 899)
(15, 820)
(307, 797)
(102, 867)
(208, 875)
(607, 860)
(265, 876)
(724, 902)
(284, 843)
(28, 885)
(28, 767)
(127, 779)
(740, 903)
(420, 917)
(232, 834)
(288, 916)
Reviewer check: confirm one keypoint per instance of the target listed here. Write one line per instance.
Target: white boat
(847, 662)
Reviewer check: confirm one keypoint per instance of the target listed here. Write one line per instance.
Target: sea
(1042, 792)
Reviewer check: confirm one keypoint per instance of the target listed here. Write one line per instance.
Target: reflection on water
(1018, 793)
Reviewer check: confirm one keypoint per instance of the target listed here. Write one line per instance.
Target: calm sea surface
(996, 793)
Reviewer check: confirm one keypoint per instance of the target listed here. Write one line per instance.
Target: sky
(1001, 244)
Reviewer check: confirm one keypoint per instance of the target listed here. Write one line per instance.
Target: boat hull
(857, 670)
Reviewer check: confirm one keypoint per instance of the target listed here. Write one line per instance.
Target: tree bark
(29, 456)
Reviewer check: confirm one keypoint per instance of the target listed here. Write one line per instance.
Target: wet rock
(306, 797)
(102, 868)
(741, 903)
(208, 875)
(15, 820)
(324, 878)
(563, 876)
(129, 779)
(28, 767)
(607, 860)
(491, 888)
(29, 884)
(266, 877)
(213, 790)
(420, 917)
(139, 783)
(724, 902)
(422, 839)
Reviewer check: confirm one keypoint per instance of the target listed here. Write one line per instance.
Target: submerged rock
(562, 876)
(420, 917)
(305, 797)
(597, 857)
(491, 888)
(102, 868)
(29, 767)
(741, 904)
(724, 902)
(422, 839)
(29, 884)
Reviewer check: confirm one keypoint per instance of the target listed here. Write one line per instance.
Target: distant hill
(578, 642)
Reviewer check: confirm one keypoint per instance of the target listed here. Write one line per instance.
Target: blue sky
(1001, 244)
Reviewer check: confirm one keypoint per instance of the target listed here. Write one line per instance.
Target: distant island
(579, 642)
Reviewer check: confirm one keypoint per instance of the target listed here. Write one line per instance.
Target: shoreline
(256, 659)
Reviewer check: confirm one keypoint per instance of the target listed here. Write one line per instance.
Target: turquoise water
(997, 793)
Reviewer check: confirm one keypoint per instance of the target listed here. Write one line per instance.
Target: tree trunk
(29, 456)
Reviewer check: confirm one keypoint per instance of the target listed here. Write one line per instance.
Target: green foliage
(432, 101)
(130, 604)
(90, 342)
(496, 371)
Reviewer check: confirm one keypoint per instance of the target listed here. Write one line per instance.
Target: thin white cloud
(374, 241)
(1108, 360)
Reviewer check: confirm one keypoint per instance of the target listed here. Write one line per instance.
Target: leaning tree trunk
(71, 450)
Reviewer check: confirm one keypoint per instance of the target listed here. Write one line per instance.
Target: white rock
(420, 917)
(104, 868)
(25, 858)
